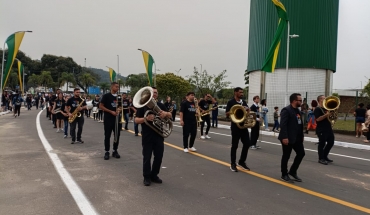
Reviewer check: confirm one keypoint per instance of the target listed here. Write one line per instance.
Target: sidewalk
(342, 140)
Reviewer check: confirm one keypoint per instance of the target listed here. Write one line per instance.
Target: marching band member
(255, 131)
(109, 105)
(58, 103)
(126, 111)
(71, 106)
(204, 105)
(188, 122)
(237, 133)
(152, 142)
(65, 115)
(95, 104)
(324, 131)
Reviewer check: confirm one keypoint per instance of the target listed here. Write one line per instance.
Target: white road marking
(82, 202)
(277, 144)
(310, 139)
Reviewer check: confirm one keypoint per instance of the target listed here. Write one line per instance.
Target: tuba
(239, 115)
(331, 104)
(144, 97)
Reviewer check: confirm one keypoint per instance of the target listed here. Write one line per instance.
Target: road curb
(309, 139)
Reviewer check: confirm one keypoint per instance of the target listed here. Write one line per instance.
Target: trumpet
(239, 115)
(144, 97)
(332, 104)
(58, 110)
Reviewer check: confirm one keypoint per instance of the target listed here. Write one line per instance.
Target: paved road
(198, 183)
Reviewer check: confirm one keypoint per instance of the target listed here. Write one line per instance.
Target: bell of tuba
(144, 97)
(331, 104)
(239, 115)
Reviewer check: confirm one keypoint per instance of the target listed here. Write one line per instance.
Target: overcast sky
(179, 34)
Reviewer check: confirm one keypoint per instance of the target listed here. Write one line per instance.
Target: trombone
(116, 125)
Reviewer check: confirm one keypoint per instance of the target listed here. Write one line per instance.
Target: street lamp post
(287, 62)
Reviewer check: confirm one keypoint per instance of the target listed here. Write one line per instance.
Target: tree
(34, 80)
(104, 86)
(45, 78)
(13, 79)
(206, 83)
(87, 80)
(172, 85)
(66, 78)
(136, 81)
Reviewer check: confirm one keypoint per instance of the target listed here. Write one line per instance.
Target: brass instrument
(76, 112)
(262, 120)
(119, 105)
(144, 97)
(206, 112)
(116, 127)
(331, 104)
(199, 115)
(239, 115)
(58, 110)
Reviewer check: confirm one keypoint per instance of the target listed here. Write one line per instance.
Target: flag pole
(2, 70)
(23, 82)
(287, 66)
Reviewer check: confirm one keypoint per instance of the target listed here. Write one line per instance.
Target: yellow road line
(295, 187)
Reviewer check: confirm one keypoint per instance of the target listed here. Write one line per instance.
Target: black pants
(17, 109)
(100, 115)
(287, 150)
(173, 115)
(80, 121)
(206, 119)
(368, 134)
(326, 142)
(243, 135)
(54, 117)
(109, 126)
(152, 145)
(189, 128)
(214, 119)
(37, 104)
(255, 133)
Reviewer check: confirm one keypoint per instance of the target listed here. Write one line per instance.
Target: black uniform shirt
(204, 104)
(231, 103)
(147, 131)
(323, 125)
(125, 105)
(188, 112)
(74, 102)
(110, 102)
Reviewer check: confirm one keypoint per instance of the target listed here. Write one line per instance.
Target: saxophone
(76, 112)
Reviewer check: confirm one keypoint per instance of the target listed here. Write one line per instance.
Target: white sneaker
(193, 149)
(253, 147)
(202, 137)
(267, 129)
(208, 137)
(61, 129)
(65, 136)
(58, 130)
(186, 150)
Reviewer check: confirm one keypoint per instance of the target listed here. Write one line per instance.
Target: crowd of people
(66, 110)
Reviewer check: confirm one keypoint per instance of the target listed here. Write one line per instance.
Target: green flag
(148, 61)
(20, 74)
(112, 74)
(270, 61)
(13, 42)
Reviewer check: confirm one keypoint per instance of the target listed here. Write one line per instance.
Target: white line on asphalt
(311, 139)
(82, 202)
(277, 144)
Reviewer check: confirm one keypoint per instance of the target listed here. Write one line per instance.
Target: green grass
(348, 125)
